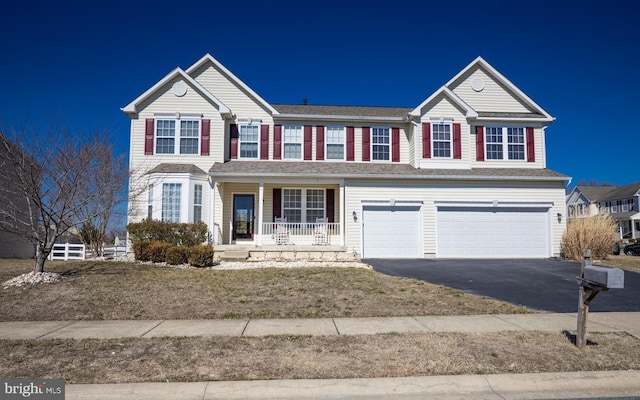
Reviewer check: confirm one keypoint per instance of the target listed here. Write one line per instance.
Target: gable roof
(539, 113)
(469, 112)
(132, 108)
(208, 58)
(598, 193)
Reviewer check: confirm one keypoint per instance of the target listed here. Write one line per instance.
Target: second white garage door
(493, 233)
(391, 232)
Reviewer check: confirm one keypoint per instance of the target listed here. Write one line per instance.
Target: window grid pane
(292, 204)
(292, 142)
(171, 202)
(189, 134)
(197, 203)
(380, 140)
(165, 136)
(335, 138)
(494, 143)
(315, 204)
(441, 140)
(515, 138)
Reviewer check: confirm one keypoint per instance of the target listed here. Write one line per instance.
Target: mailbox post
(593, 280)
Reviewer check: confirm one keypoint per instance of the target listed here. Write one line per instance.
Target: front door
(243, 216)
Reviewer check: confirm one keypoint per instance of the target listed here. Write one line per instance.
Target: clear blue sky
(578, 60)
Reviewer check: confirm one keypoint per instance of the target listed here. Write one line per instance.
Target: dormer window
(441, 140)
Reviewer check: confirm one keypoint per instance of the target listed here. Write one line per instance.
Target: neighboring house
(463, 174)
(621, 202)
(12, 209)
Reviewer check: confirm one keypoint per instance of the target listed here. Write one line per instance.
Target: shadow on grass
(77, 268)
(573, 338)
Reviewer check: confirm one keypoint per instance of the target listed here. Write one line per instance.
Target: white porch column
(260, 211)
(212, 219)
(343, 222)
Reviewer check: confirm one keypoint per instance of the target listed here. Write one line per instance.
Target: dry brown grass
(303, 357)
(113, 290)
(596, 233)
(628, 263)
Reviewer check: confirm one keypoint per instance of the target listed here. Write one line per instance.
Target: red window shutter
(531, 147)
(308, 142)
(264, 142)
(395, 144)
(457, 141)
(350, 144)
(426, 140)
(149, 131)
(331, 196)
(206, 134)
(277, 203)
(233, 150)
(319, 142)
(366, 143)
(479, 143)
(277, 142)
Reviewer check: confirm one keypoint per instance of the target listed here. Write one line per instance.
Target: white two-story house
(461, 175)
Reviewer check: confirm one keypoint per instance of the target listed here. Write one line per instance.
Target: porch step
(235, 255)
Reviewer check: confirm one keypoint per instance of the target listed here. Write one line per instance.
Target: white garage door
(391, 232)
(493, 233)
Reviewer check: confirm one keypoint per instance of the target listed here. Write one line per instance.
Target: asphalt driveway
(544, 284)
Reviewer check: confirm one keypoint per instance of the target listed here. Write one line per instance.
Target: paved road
(545, 284)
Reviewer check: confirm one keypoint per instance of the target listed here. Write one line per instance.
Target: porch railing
(301, 233)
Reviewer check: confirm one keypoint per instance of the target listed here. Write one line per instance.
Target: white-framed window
(292, 142)
(303, 205)
(614, 207)
(197, 203)
(150, 202)
(248, 137)
(380, 144)
(505, 143)
(171, 202)
(441, 139)
(335, 142)
(177, 136)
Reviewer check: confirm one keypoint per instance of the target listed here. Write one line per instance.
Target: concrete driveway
(544, 284)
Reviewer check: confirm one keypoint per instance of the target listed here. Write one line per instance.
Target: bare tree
(52, 181)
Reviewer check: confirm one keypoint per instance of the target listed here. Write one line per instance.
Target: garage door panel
(493, 233)
(391, 232)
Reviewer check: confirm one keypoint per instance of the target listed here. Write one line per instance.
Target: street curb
(510, 386)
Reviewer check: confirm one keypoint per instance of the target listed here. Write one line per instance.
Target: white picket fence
(68, 251)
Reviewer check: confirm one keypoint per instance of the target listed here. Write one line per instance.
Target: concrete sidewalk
(499, 387)
(598, 322)
(509, 386)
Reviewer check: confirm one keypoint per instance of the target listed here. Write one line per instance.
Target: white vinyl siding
(493, 97)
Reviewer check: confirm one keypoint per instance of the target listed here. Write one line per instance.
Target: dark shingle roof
(299, 169)
(509, 115)
(597, 193)
(166, 168)
(347, 111)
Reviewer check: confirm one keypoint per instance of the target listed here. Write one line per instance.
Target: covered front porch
(276, 214)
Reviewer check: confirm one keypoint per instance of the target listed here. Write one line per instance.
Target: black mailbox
(610, 278)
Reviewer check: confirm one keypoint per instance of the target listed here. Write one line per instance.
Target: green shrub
(141, 250)
(158, 251)
(595, 233)
(177, 255)
(168, 232)
(201, 256)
